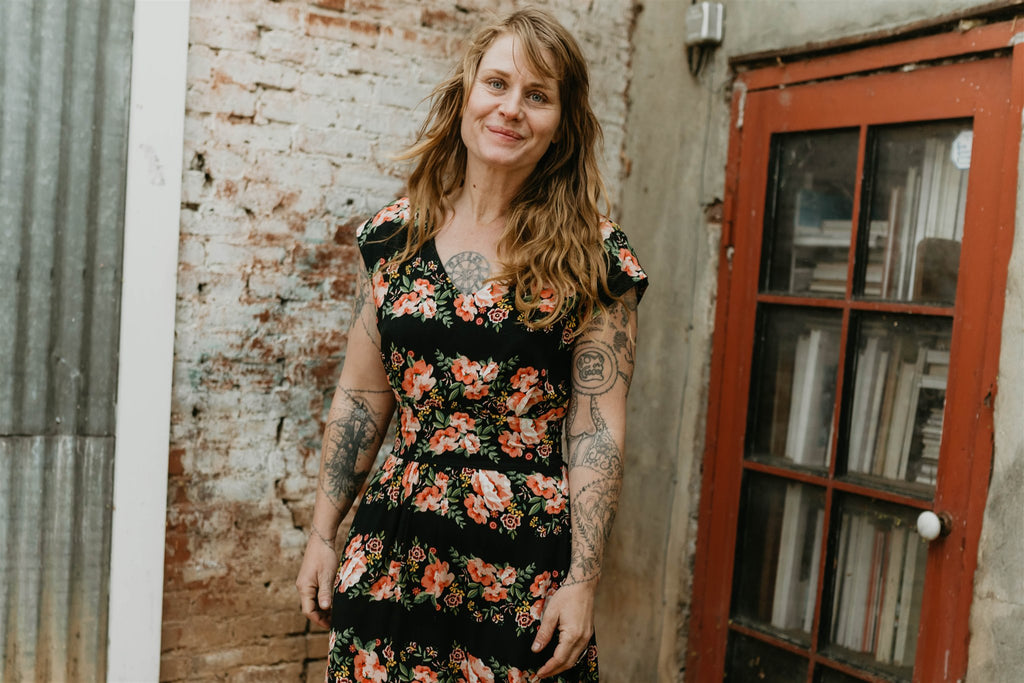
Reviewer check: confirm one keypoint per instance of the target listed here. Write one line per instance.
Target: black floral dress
(463, 532)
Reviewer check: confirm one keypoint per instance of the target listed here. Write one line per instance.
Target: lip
(505, 133)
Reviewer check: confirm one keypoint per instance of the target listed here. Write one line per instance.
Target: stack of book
(877, 595)
(929, 211)
(896, 412)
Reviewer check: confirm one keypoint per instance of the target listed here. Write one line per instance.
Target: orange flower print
(367, 669)
(525, 378)
(531, 432)
(462, 422)
(517, 676)
(406, 304)
(541, 485)
(398, 211)
(494, 487)
(521, 401)
(490, 295)
(427, 308)
(434, 498)
(350, 572)
(547, 300)
(423, 287)
(387, 586)
(475, 671)
(607, 228)
(436, 578)
(423, 674)
(464, 307)
(408, 426)
(418, 379)
(410, 477)
(495, 593)
(388, 468)
(444, 440)
(541, 584)
(380, 288)
(630, 266)
(511, 444)
(476, 509)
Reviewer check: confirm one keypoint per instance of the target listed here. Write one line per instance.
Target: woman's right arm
(360, 411)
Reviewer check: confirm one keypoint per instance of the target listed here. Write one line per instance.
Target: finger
(326, 593)
(561, 659)
(548, 623)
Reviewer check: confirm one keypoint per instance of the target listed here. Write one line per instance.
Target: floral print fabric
(463, 532)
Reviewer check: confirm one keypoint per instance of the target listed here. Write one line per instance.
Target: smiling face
(512, 113)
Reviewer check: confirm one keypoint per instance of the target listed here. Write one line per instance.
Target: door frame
(146, 346)
(717, 518)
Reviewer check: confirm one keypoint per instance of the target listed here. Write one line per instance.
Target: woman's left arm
(602, 367)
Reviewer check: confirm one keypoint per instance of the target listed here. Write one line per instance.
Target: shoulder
(385, 223)
(624, 269)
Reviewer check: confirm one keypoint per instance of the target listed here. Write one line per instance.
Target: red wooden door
(853, 375)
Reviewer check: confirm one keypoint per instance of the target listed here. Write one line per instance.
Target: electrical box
(704, 23)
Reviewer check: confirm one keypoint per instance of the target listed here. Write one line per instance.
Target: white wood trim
(152, 207)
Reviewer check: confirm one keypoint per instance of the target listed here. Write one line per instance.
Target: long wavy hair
(552, 238)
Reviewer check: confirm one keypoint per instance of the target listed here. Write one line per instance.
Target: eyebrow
(504, 74)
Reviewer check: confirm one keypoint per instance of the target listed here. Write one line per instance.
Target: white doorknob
(930, 525)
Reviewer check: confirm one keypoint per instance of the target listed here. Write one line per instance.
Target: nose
(510, 107)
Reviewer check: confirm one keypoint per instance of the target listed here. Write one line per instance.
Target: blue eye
(496, 84)
(537, 97)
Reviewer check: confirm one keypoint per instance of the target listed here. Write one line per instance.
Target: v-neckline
(436, 256)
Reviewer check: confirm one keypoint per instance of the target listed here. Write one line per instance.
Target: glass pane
(809, 217)
(793, 386)
(876, 592)
(895, 412)
(751, 661)
(832, 676)
(779, 555)
(918, 192)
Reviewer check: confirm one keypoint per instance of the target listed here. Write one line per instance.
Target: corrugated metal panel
(64, 76)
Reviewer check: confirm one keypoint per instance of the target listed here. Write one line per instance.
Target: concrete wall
(677, 135)
(292, 111)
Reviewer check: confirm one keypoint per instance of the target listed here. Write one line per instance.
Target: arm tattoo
(468, 270)
(359, 431)
(364, 309)
(602, 368)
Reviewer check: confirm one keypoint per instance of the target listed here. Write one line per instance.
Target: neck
(487, 192)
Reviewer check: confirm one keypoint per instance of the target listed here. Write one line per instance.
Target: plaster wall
(676, 144)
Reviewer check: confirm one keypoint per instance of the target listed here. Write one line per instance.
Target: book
(890, 600)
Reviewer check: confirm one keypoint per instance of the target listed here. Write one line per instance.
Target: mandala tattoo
(468, 270)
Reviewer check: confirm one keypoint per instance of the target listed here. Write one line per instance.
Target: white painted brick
(268, 136)
(335, 142)
(200, 63)
(292, 169)
(222, 33)
(220, 98)
(192, 187)
(225, 10)
(281, 16)
(285, 107)
(249, 70)
(224, 164)
(285, 46)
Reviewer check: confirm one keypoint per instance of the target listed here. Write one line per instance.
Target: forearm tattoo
(468, 270)
(602, 370)
(358, 431)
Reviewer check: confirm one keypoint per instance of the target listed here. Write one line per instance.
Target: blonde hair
(552, 238)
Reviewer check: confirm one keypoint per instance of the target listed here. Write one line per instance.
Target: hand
(571, 610)
(316, 580)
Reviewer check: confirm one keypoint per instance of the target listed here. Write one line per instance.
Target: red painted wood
(980, 90)
(926, 49)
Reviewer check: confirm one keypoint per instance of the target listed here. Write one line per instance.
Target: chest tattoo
(467, 270)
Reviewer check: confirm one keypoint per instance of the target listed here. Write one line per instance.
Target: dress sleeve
(624, 269)
(381, 236)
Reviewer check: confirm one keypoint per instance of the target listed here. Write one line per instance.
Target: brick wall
(292, 111)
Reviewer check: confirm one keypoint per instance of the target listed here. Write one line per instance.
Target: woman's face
(512, 114)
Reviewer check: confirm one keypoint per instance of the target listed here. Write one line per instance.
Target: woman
(499, 307)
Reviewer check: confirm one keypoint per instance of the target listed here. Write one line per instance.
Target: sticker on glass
(960, 152)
